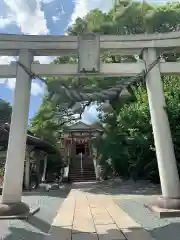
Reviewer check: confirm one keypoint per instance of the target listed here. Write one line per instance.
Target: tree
(50, 120)
(131, 18)
(128, 136)
(5, 112)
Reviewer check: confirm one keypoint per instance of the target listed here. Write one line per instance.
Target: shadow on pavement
(111, 232)
(119, 187)
(170, 231)
(40, 224)
(23, 234)
(108, 232)
(62, 193)
(105, 187)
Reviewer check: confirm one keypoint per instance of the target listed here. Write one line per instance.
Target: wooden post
(45, 168)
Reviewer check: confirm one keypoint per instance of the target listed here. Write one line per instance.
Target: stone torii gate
(88, 49)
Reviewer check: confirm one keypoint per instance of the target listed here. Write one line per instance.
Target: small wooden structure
(37, 151)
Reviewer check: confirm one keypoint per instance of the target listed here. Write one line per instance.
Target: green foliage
(5, 112)
(130, 18)
(2, 172)
(128, 138)
(43, 124)
(50, 120)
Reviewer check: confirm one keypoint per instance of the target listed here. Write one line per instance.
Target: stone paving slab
(83, 221)
(57, 233)
(109, 232)
(122, 219)
(131, 229)
(137, 234)
(94, 217)
(65, 215)
(84, 236)
(101, 216)
(160, 229)
(37, 226)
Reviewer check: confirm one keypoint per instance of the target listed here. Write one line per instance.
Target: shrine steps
(88, 173)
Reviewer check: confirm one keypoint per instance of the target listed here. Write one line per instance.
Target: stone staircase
(88, 173)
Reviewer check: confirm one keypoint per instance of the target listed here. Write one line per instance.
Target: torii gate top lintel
(43, 44)
(88, 47)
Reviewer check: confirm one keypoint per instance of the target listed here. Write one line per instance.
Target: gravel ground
(37, 226)
(121, 188)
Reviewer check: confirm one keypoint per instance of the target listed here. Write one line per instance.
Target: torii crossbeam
(89, 48)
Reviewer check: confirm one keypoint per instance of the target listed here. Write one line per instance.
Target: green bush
(129, 138)
(1, 172)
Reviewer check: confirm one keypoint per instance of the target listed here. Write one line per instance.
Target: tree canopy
(130, 18)
(5, 112)
(128, 136)
(49, 121)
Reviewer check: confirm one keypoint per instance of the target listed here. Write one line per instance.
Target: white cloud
(36, 87)
(6, 60)
(90, 114)
(55, 18)
(10, 83)
(41, 59)
(82, 7)
(44, 59)
(2, 81)
(47, 1)
(5, 21)
(27, 15)
(60, 11)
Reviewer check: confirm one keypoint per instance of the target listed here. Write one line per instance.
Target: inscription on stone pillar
(89, 53)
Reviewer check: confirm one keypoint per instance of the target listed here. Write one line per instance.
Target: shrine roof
(81, 126)
(32, 140)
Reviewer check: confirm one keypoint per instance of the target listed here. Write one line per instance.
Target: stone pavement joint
(94, 217)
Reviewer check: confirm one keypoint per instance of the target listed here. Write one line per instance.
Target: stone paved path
(111, 209)
(160, 229)
(89, 216)
(37, 227)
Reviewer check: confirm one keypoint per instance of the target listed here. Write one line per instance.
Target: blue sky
(42, 17)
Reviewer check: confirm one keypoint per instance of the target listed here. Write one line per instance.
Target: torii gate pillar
(167, 165)
(14, 167)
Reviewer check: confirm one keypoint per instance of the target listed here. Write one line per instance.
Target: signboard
(89, 53)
